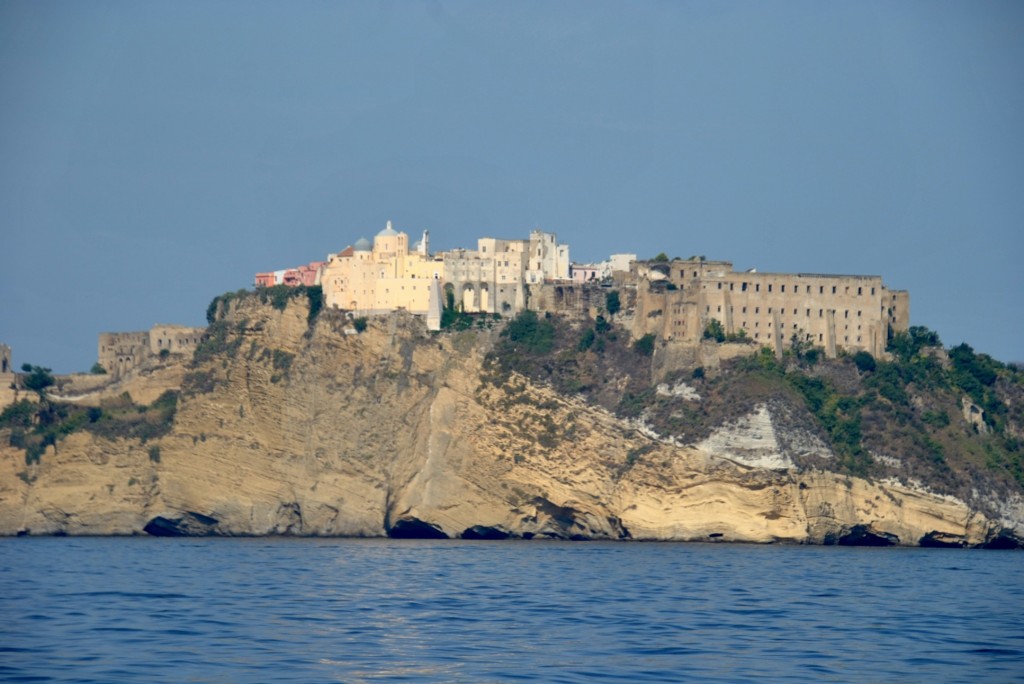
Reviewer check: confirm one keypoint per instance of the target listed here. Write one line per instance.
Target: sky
(156, 154)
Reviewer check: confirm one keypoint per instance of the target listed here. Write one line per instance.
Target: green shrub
(315, 294)
(938, 419)
(18, 414)
(586, 340)
(864, 361)
(612, 303)
(714, 331)
(98, 369)
(531, 334)
(645, 345)
(359, 324)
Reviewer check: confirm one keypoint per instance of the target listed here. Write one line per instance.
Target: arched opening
(485, 298)
(469, 302)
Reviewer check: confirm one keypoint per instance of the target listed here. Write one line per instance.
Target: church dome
(362, 245)
(388, 231)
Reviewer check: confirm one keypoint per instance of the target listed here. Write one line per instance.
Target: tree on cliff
(612, 302)
(37, 379)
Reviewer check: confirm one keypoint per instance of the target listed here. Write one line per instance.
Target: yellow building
(384, 276)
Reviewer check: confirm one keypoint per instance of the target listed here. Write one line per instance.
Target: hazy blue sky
(153, 155)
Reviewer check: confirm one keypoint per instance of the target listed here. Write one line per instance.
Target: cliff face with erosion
(314, 430)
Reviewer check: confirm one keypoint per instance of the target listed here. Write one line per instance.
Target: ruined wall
(119, 352)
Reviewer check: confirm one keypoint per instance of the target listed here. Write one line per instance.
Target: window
(769, 309)
(858, 294)
(846, 313)
(808, 289)
(719, 309)
(719, 286)
(821, 337)
(730, 287)
(872, 290)
(833, 289)
(769, 287)
(808, 313)
(821, 312)
(743, 287)
(783, 288)
(757, 287)
(744, 309)
(821, 289)
(757, 309)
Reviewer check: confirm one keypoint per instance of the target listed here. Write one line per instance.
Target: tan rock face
(314, 432)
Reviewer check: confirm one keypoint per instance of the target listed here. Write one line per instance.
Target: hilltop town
(678, 301)
(633, 398)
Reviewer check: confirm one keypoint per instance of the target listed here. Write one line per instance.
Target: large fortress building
(678, 299)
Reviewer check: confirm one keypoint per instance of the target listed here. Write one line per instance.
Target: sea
(143, 609)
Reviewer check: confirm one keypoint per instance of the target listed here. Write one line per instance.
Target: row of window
(782, 311)
(795, 289)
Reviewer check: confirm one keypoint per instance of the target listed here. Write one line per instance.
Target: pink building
(307, 275)
(266, 279)
(582, 273)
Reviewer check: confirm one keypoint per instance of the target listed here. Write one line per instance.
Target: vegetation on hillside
(903, 417)
(34, 426)
(277, 296)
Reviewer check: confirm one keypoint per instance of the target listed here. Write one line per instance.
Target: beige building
(850, 312)
(389, 274)
(384, 276)
(496, 277)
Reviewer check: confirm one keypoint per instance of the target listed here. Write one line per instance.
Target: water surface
(302, 610)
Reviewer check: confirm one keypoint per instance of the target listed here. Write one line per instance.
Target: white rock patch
(750, 440)
(680, 389)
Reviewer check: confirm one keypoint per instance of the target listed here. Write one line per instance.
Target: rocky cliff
(289, 427)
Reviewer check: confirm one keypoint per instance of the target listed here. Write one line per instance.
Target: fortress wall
(177, 339)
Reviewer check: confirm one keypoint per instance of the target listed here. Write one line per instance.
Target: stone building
(5, 360)
(676, 300)
(119, 352)
(496, 277)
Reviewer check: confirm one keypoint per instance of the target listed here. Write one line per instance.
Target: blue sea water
(304, 610)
